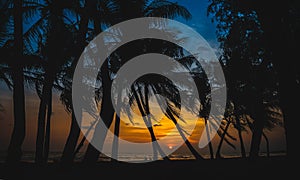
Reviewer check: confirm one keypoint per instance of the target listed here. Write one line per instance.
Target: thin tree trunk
(258, 126)
(282, 58)
(186, 141)
(188, 144)
(106, 113)
(15, 147)
(218, 153)
(243, 151)
(69, 149)
(267, 144)
(48, 129)
(115, 146)
(211, 151)
(156, 147)
(80, 145)
(40, 140)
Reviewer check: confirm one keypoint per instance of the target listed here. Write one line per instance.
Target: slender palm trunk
(115, 146)
(258, 126)
(243, 151)
(186, 141)
(106, 113)
(211, 151)
(287, 71)
(41, 129)
(80, 145)
(188, 144)
(48, 128)
(69, 149)
(18, 134)
(267, 144)
(218, 153)
(155, 146)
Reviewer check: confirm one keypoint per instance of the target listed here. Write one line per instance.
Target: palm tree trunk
(80, 145)
(287, 70)
(48, 128)
(243, 151)
(115, 146)
(106, 113)
(188, 144)
(15, 147)
(156, 147)
(211, 151)
(186, 141)
(218, 153)
(258, 126)
(69, 149)
(267, 144)
(40, 140)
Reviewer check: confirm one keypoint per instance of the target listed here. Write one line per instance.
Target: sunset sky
(134, 133)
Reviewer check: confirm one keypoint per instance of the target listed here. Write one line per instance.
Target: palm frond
(166, 9)
(33, 35)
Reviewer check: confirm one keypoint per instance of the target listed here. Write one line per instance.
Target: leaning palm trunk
(69, 149)
(267, 144)
(258, 127)
(187, 142)
(156, 147)
(106, 113)
(218, 153)
(239, 128)
(80, 145)
(18, 134)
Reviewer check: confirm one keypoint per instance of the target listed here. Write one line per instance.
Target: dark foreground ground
(273, 168)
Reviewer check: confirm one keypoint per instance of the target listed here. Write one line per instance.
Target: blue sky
(200, 21)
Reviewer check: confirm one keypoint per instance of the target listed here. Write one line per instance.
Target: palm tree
(143, 106)
(285, 16)
(274, 118)
(100, 13)
(248, 65)
(128, 10)
(13, 70)
(18, 135)
(52, 28)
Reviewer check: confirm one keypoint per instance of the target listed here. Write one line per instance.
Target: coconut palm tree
(14, 72)
(100, 13)
(128, 10)
(18, 135)
(51, 29)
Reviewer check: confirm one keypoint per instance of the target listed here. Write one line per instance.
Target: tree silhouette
(18, 135)
(281, 45)
(247, 64)
(128, 10)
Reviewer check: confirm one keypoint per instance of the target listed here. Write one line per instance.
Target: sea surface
(28, 156)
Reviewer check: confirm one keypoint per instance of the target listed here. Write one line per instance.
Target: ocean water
(28, 156)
